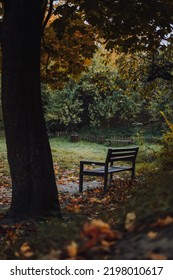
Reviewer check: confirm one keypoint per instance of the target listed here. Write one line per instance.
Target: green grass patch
(67, 154)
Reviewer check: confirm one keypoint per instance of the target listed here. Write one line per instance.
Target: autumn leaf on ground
(97, 231)
(25, 251)
(72, 249)
(152, 234)
(94, 199)
(11, 235)
(156, 256)
(74, 208)
(130, 221)
(168, 220)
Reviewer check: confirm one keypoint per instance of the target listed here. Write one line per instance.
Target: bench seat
(101, 170)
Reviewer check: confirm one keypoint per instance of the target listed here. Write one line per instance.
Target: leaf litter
(100, 236)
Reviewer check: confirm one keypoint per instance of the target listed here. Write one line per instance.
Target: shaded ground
(147, 243)
(94, 226)
(130, 222)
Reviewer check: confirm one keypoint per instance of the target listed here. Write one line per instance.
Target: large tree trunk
(34, 190)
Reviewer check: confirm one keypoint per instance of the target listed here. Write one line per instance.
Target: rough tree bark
(34, 190)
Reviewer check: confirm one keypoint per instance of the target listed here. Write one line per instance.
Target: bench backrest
(122, 154)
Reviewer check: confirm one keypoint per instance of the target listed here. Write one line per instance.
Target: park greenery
(112, 93)
(95, 68)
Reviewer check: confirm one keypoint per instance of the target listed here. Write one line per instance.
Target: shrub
(167, 150)
(63, 109)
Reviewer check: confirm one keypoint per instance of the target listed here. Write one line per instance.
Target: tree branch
(48, 14)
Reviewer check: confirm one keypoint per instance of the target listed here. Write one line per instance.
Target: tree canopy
(130, 24)
(73, 30)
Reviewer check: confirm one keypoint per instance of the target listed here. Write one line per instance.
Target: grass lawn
(67, 154)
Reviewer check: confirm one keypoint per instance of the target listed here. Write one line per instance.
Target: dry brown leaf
(93, 199)
(72, 249)
(107, 243)
(130, 221)
(17, 254)
(11, 235)
(152, 234)
(156, 256)
(164, 221)
(25, 247)
(97, 232)
(26, 251)
(98, 225)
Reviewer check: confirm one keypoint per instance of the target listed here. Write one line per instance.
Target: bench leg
(105, 182)
(133, 173)
(80, 182)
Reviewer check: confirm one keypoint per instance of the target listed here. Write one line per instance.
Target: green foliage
(149, 76)
(167, 150)
(62, 109)
(99, 98)
(113, 92)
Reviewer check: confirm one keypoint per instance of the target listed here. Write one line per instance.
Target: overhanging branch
(48, 14)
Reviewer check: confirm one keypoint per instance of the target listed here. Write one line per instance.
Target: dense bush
(166, 155)
(105, 96)
(62, 109)
(99, 98)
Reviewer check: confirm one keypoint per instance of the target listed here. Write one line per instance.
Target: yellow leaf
(72, 249)
(87, 62)
(152, 234)
(25, 250)
(130, 221)
(25, 247)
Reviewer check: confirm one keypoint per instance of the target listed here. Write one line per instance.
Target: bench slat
(122, 153)
(122, 158)
(123, 149)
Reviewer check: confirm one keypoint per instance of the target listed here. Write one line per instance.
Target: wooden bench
(127, 155)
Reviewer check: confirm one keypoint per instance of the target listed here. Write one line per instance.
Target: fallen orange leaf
(155, 256)
(12, 235)
(164, 221)
(98, 231)
(152, 234)
(72, 249)
(25, 250)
